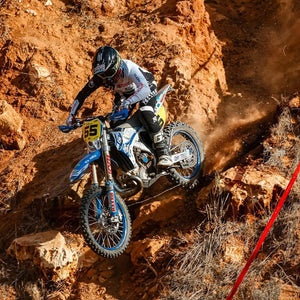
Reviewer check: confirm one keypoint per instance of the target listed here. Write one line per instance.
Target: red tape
(264, 234)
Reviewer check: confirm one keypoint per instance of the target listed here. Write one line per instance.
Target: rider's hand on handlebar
(124, 105)
(121, 111)
(71, 120)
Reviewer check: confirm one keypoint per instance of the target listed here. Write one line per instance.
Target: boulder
(252, 183)
(48, 251)
(10, 127)
(38, 74)
(250, 187)
(59, 257)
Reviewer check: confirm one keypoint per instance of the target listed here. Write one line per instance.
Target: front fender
(81, 167)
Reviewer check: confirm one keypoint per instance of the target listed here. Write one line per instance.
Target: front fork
(94, 174)
(109, 181)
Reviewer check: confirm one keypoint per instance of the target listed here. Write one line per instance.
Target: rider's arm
(89, 88)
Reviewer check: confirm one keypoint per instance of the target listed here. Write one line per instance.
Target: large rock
(50, 252)
(10, 127)
(47, 250)
(38, 74)
(195, 67)
(251, 187)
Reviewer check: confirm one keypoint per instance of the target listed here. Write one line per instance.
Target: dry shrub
(202, 272)
(270, 290)
(276, 263)
(282, 148)
(295, 193)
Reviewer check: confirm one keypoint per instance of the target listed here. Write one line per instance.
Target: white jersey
(135, 82)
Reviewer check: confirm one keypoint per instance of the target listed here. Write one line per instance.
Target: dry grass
(282, 149)
(204, 273)
(277, 147)
(201, 273)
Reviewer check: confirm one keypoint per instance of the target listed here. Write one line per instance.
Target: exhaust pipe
(128, 192)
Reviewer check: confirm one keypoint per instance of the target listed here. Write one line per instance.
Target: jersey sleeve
(143, 89)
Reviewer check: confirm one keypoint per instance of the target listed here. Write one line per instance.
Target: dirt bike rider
(131, 84)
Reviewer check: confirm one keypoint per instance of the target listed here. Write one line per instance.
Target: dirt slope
(229, 62)
(45, 58)
(46, 54)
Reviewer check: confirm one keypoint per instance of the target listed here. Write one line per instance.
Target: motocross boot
(164, 159)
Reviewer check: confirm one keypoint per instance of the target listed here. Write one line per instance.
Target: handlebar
(65, 128)
(79, 122)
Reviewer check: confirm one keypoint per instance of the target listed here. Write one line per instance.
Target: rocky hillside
(235, 70)
(46, 53)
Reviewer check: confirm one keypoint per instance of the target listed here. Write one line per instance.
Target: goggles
(110, 72)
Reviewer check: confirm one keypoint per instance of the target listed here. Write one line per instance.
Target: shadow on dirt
(53, 169)
(40, 202)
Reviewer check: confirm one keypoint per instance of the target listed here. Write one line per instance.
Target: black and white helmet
(106, 63)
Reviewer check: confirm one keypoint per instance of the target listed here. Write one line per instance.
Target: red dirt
(227, 61)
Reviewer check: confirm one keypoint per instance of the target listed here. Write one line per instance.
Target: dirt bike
(126, 157)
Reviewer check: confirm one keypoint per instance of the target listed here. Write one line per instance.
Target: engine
(145, 162)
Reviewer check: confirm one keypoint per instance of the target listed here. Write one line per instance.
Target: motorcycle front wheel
(179, 138)
(105, 234)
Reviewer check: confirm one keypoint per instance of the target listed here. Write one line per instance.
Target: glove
(124, 105)
(120, 115)
(71, 120)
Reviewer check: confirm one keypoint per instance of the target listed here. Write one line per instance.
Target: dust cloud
(234, 136)
(272, 71)
(281, 60)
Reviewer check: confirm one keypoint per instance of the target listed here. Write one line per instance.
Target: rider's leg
(164, 159)
(150, 121)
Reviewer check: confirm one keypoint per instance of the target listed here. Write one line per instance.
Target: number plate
(91, 130)
(161, 116)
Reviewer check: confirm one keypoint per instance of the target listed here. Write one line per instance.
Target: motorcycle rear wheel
(179, 137)
(103, 234)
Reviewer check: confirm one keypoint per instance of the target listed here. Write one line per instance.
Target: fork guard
(83, 164)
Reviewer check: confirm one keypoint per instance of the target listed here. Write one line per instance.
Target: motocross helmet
(106, 63)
